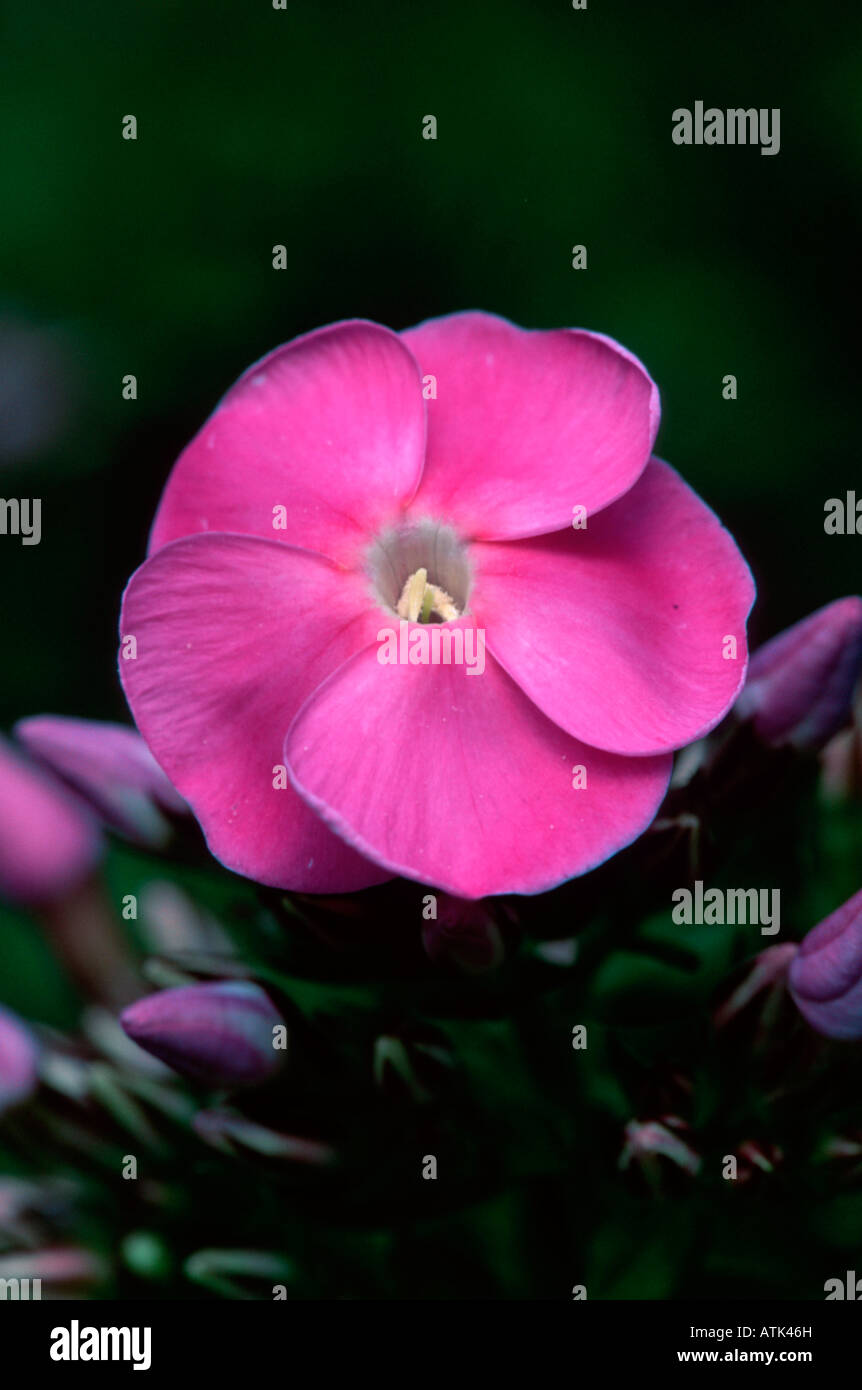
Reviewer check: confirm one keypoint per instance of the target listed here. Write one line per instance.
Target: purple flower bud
(464, 933)
(800, 685)
(826, 974)
(221, 1034)
(48, 841)
(112, 767)
(19, 1058)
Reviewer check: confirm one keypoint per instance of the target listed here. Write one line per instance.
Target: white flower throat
(421, 572)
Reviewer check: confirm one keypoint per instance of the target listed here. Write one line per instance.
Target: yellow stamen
(419, 600)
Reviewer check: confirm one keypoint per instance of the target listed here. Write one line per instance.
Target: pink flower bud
(800, 685)
(112, 767)
(19, 1057)
(48, 841)
(220, 1034)
(826, 974)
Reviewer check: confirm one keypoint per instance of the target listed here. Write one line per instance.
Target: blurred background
(304, 127)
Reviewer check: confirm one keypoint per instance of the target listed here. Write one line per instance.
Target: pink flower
(357, 475)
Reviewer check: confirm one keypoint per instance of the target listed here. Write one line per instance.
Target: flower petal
(617, 632)
(459, 781)
(330, 427)
(526, 425)
(232, 634)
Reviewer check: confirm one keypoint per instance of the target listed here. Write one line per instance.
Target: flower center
(421, 572)
(420, 601)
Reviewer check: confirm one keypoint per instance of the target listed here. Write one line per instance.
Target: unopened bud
(48, 841)
(826, 974)
(19, 1059)
(221, 1034)
(112, 767)
(800, 685)
(464, 934)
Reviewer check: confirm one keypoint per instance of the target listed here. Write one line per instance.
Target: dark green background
(303, 127)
